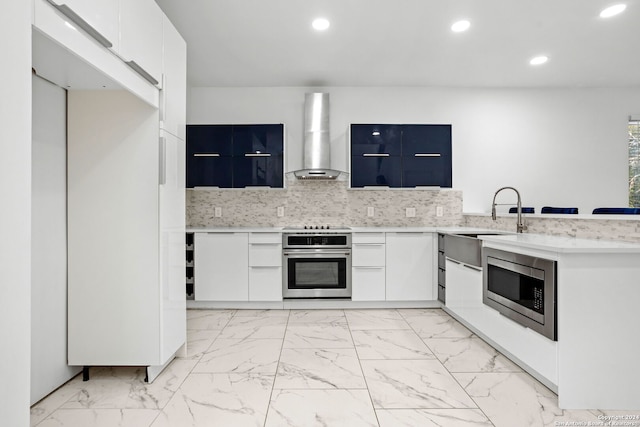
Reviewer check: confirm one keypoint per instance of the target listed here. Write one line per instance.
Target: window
(634, 161)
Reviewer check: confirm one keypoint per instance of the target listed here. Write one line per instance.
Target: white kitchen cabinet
(265, 267)
(99, 18)
(126, 302)
(173, 97)
(368, 267)
(76, 61)
(464, 289)
(172, 241)
(410, 271)
(368, 254)
(265, 283)
(221, 263)
(368, 284)
(141, 38)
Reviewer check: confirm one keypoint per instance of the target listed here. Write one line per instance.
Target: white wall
(15, 211)
(562, 147)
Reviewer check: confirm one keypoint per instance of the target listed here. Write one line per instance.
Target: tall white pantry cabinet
(126, 221)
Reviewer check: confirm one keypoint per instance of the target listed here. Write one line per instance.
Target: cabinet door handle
(84, 25)
(257, 154)
(206, 155)
(162, 178)
(138, 69)
(376, 155)
(427, 155)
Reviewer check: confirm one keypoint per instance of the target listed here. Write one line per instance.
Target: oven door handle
(306, 253)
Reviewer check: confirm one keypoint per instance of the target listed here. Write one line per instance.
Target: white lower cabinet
(464, 289)
(368, 267)
(265, 283)
(237, 266)
(410, 261)
(368, 284)
(220, 266)
(265, 267)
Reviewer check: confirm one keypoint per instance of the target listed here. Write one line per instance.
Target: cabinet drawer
(265, 255)
(367, 238)
(265, 237)
(368, 255)
(368, 284)
(265, 284)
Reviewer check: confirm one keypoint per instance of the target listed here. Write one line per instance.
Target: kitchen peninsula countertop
(561, 244)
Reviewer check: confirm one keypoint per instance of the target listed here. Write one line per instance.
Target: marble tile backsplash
(627, 230)
(320, 202)
(333, 203)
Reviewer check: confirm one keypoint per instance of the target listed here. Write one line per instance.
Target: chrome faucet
(519, 226)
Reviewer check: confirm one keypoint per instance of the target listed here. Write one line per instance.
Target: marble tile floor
(392, 367)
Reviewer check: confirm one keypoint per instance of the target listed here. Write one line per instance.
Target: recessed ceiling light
(460, 26)
(320, 24)
(613, 10)
(538, 60)
(375, 133)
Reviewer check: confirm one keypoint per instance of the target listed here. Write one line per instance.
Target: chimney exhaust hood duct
(317, 145)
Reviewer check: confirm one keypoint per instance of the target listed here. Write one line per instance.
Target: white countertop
(234, 229)
(382, 229)
(562, 244)
(543, 242)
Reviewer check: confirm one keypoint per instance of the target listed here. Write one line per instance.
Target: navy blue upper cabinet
(210, 139)
(258, 139)
(253, 171)
(400, 155)
(376, 139)
(376, 171)
(257, 155)
(426, 155)
(426, 139)
(235, 156)
(209, 161)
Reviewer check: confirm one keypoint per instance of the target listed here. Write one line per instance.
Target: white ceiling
(408, 43)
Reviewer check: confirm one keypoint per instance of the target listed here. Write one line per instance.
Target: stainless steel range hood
(317, 144)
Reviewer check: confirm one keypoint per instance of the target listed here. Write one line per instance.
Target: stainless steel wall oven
(521, 287)
(317, 264)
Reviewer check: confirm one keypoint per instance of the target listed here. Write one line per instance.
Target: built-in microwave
(522, 288)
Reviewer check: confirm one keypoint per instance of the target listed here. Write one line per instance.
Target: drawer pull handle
(427, 155)
(376, 155)
(206, 155)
